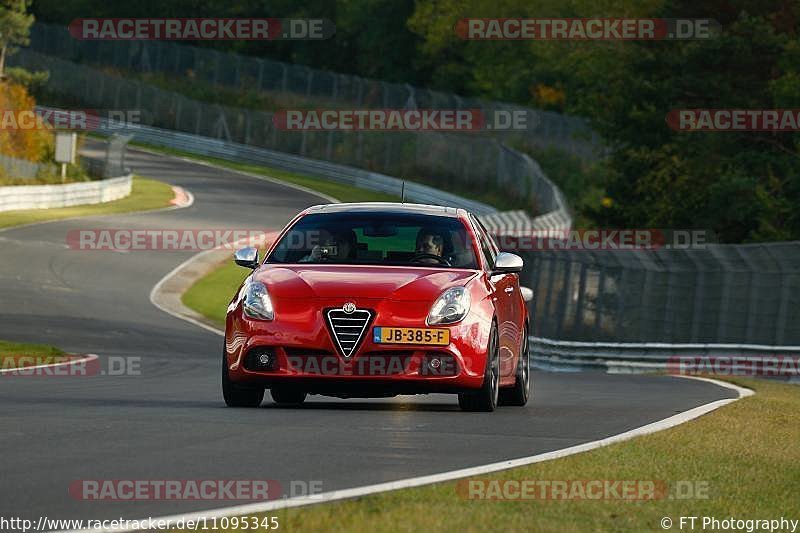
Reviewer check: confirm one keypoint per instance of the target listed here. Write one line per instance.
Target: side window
(487, 248)
(492, 243)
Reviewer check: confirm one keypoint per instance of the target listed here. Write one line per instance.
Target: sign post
(66, 148)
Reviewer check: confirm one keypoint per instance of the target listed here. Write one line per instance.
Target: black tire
(287, 396)
(519, 394)
(485, 399)
(237, 395)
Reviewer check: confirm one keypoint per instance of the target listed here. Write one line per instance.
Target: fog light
(436, 364)
(260, 359)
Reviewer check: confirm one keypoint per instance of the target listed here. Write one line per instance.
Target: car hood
(340, 281)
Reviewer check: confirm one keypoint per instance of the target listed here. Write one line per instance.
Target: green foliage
(15, 22)
(742, 185)
(32, 81)
(371, 35)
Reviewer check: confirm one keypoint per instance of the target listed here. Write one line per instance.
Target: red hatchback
(375, 300)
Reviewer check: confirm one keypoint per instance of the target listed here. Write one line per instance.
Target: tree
(15, 23)
(745, 186)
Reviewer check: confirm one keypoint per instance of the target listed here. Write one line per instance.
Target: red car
(376, 300)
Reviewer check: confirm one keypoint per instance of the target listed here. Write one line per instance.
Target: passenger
(337, 246)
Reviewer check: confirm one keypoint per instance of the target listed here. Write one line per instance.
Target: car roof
(388, 207)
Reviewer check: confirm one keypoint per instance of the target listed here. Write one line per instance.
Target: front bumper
(297, 348)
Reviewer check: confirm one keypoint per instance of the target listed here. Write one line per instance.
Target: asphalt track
(170, 421)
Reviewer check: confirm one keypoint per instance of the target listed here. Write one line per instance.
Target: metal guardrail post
(699, 296)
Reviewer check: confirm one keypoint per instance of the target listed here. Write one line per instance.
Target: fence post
(667, 320)
(260, 81)
(752, 298)
(699, 295)
(562, 297)
(726, 291)
(310, 78)
(578, 326)
(598, 307)
(783, 305)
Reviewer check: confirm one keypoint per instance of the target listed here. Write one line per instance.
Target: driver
(430, 241)
(339, 245)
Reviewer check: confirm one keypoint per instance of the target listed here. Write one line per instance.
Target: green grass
(12, 352)
(211, 294)
(747, 453)
(147, 194)
(342, 192)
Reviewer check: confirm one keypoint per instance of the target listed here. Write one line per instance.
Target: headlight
(450, 307)
(257, 303)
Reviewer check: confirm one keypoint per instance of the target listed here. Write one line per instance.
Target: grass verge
(147, 194)
(211, 294)
(16, 354)
(746, 454)
(343, 193)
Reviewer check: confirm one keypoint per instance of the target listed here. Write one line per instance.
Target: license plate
(436, 337)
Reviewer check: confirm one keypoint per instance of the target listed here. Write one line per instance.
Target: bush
(30, 144)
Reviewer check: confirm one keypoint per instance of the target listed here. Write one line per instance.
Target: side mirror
(507, 263)
(527, 293)
(246, 257)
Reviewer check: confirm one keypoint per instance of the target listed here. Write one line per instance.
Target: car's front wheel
(485, 399)
(237, 395)
(518, 394)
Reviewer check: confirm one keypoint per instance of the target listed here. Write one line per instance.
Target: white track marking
(85, 359)
(291, 185)
(157, 288)
(345, 494)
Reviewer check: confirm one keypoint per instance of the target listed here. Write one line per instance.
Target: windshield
(407, 239)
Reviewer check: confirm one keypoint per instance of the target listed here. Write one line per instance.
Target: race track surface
(170, 421)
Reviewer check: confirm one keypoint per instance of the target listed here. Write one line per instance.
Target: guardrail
(468, 161)
(621, 357)
(715, 296)
(316, 88)
(116, 183)
(53, 196)
(235, 152)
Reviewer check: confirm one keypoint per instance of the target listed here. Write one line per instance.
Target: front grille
(348, 329)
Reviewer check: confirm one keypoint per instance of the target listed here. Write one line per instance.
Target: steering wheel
(439, 259)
